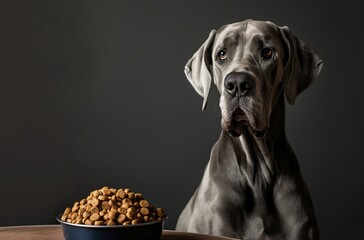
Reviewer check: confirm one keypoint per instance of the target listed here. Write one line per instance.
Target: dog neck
(260, 166)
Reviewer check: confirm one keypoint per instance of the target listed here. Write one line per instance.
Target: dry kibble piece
(131, 214)
(95, 202)
(102, 197)
(88, 207)
(110, 223)
(81, 211)
(75, 208)
(135, 221)
(105, 205)
(64, 217)
(95, 217)
(114, 208)
(67, 211)
(98, 223)
(121, 218)
(95, 193)
(131, 209)
(131, 195)
(138, 196)
(127, 190)
(102, 213)
(74, 216)
(127, 201)
(111, 202)
(127, 223)
(145, 218)
(88, 222)
(160, 214)
(94, 210)
(121, 194)
(144, 211)
(112, 215)
(144, 203)
(122, 210)
(106, 191)
(86, 214)
(125, 205)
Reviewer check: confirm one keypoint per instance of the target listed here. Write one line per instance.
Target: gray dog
(252, 187)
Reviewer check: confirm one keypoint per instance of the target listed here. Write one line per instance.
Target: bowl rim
(109, 226)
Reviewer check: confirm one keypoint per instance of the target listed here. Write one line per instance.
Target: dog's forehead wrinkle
(261, 32)
(252, 30)
(227, 39)
(231, 33)
(227, 43)
(247, 35)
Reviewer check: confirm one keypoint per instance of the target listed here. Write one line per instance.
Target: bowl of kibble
(110, 214)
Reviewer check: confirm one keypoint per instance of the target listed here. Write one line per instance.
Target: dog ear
(198, 68)
(301, 68)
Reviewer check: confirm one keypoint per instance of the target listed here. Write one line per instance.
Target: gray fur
(252, 187)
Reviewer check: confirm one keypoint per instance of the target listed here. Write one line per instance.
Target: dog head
(251, 63)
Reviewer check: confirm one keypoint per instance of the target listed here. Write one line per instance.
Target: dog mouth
(238, 123)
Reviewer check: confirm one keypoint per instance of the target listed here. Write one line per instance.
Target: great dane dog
(252, 187)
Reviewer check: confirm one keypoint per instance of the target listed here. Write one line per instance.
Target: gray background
(92, 93)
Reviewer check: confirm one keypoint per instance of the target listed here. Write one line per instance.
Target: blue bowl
(141, 231)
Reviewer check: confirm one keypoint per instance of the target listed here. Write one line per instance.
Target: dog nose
(238, 83)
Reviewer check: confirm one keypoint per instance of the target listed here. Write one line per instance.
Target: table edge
(167, 231)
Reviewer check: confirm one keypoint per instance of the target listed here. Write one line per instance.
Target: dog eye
(267, 53)
(221, 55)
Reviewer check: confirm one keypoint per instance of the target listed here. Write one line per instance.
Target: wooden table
(54, 232)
